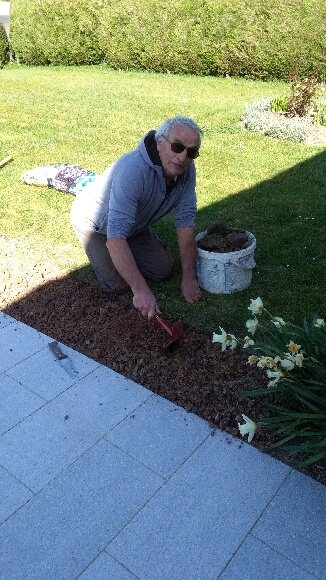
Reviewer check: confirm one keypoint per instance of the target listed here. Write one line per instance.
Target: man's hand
(188, 252)
(190, 291)
(145, 302)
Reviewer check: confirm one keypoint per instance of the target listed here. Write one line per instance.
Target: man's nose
(183, 155)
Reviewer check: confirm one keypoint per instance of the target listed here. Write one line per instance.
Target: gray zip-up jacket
(132, 194)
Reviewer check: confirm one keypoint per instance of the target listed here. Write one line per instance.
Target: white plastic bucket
(224, 273)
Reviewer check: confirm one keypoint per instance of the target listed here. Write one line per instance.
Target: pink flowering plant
(294, 360)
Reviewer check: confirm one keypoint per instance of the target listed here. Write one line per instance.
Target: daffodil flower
(251, 325)
(293, 347)
(319, 323)
(232, 341)
(267, 361)
(287, 364)
(298, 359)
(262, 362)
(256, 306)
(277, 375)
(248, 342)
(252, 360)
(249, 428)
(225, 339)
(278, 321)
(222, 338)
(273, 383)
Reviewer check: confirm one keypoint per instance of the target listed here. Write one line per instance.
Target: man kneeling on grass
(113, 214)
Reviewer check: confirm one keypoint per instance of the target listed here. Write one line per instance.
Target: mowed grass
(92, 115)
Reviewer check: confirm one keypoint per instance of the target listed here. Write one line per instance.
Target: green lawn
(91, 115)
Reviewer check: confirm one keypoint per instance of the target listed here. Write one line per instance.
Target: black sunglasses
(179, 148)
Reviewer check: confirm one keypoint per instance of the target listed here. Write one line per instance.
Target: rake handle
(160, 321)
(5, 160)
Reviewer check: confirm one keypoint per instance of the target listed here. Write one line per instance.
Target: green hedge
(4, 46)
(56, 31)
(254, 38)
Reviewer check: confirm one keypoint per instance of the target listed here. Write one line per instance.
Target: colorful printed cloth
(61, 176)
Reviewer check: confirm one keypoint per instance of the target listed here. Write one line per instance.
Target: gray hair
(167, 126)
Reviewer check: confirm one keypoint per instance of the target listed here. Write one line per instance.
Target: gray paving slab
(59, 533)
(295, 524)
(256, 560)
(12, 495)
(17, 343)
(17, 403)
(5, 320)
(37, 449)
(106, 568)
(196, 522)
(44, 375)
(160, 434)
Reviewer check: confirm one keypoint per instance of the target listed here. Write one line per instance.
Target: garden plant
(294, 359)
(292, 117)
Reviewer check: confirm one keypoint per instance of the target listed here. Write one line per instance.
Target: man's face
(175, 164)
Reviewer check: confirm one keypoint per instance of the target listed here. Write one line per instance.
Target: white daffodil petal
(274, 374)
(287, 364)
(251, 325)
(248, 428)
(298, 359)
(272, 383)
(244, 429)
(256, 306)
(220, 337)
(278, 321)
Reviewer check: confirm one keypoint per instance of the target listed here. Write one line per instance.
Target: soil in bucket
(225, 258)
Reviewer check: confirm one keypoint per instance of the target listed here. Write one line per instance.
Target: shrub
(4, 46)
(56, 31)
(257, 117)
(257, 39)
(303, 92)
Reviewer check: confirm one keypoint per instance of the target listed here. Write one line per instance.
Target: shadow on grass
(287, 215)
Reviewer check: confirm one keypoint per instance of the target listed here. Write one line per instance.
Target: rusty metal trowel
(63, 359)
(175, 331)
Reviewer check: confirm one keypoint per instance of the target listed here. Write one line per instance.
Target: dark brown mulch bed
(195, 374)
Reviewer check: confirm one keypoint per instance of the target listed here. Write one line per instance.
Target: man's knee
(163, 273)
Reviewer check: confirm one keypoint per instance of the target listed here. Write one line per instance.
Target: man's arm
(188, 252)
(143, 300)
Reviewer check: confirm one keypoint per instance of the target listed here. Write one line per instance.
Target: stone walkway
(102, 479)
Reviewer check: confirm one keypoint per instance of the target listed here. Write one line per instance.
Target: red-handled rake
(174, 332)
